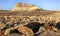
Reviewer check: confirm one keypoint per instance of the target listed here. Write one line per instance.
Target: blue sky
(45, 4)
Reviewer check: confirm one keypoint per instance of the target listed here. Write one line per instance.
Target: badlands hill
(27, 10)
(25, 7)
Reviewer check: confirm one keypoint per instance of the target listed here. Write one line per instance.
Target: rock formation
(25, 7)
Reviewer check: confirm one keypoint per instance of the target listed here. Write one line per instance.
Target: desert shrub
(3, 20)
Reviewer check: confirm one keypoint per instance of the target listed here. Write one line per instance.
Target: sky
(45, 4)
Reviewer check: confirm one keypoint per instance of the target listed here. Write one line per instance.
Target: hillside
(25, 7)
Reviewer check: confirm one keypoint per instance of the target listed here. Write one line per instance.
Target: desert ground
(29, 20)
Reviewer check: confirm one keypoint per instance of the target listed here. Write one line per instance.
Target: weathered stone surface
(55, 29)
(25, 30)
(16, 34)
(49, 33)
(41, 30)
(1, 34)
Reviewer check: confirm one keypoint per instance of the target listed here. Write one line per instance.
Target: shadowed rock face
(58, 25)
(15, 31)
(34, 26)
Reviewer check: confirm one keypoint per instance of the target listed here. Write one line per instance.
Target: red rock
(26, 31)
(1, 34)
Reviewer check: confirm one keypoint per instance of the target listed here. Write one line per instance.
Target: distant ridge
(25, 7)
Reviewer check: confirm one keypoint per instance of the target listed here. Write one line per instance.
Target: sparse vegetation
(9, 23)
(37, 22)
